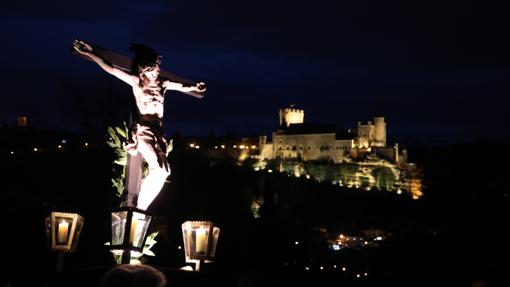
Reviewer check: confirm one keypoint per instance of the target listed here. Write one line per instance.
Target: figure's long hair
(145, 57)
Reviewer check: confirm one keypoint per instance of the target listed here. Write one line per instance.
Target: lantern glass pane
(214, 242)
(199, 240)
(118, 227)
(186, 235)
(62, 230)
(139, 226)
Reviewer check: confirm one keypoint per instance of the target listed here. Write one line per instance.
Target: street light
(200, 241)
(129, 230)
(63, 232)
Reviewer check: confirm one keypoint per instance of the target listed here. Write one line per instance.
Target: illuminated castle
(296, 139)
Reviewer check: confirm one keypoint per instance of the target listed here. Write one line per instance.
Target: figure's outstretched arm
(85, 49)
(198, 87)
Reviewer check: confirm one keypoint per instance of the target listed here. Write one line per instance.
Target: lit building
(296, 139)
(22, 121)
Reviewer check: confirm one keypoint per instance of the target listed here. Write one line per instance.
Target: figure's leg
(158, 169)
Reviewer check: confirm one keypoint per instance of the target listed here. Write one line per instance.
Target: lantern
(200, 241)
(63, 230)
(129, 230)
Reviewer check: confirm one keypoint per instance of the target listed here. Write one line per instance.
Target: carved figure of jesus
(146, 133)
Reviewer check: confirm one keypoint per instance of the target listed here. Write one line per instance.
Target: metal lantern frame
(200, 241)
(129, 244)
(63, 230)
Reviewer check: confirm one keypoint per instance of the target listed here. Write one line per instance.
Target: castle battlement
(290, 110)
(290, 116)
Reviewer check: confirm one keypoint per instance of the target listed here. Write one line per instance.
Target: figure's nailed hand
(200, 87)
(82, 47)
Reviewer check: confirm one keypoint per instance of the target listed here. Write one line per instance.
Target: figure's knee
(163, 171)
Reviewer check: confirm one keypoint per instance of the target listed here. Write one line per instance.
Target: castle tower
(290, 116)
(365, 134)
(379, 132)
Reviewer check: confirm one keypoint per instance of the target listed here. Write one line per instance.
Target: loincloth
(147, 130)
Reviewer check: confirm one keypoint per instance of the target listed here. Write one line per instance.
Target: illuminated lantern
(129, 230)
(200, 241)
(63, 230)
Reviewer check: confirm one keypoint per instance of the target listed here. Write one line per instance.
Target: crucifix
(145, 139)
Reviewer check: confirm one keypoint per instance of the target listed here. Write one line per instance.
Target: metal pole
(60, 261)
(126, 257)
(197, 265)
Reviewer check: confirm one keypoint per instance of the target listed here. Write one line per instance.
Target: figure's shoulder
(135, 80)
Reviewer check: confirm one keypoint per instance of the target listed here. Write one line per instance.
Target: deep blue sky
(436, 70)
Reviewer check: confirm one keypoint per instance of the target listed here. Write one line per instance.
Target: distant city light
(399, 191)
(222, 146)
(59, 146)
(86, 144)
(366, 242)
(336, 247)
(358, 275)
(334, 266)
(35, 149)
(12, 152)
(253, 146)
(215, 147)
(197, 147)
(256, 168)
(179, 247)
(322, 268)
(366, 274)
(344, 269)
(64, 141)
(270, 170)
(307, 268)
(191, 145)
(235, 146)
(296, 242)
(307, 176)
(378, 238)
(241, 146)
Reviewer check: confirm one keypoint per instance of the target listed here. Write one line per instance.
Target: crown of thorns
(148, 67)
(145, 57)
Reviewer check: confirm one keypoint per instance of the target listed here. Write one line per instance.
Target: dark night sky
(438, 71)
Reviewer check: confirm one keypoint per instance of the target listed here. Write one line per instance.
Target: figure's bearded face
(151, 73)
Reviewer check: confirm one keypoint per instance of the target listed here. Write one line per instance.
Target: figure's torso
(149, 98)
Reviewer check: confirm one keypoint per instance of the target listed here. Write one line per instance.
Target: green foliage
(149, 243)
(347, 171)
(316, 170)
(384, 178)
(117, 137)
